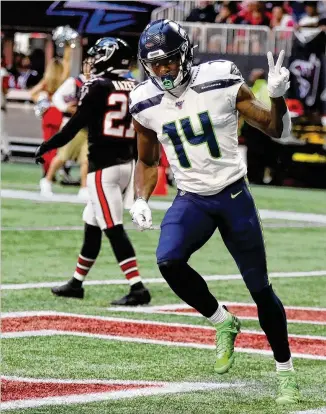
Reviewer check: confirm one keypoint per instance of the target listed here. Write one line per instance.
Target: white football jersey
(198, 130)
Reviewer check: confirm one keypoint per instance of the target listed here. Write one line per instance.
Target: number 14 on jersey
(207, 136)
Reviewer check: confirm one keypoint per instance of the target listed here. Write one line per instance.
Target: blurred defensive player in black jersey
(103, 108)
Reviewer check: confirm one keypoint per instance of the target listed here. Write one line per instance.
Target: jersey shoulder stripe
(145, 104)
(144, 96)
(215, 84)
(140, 84)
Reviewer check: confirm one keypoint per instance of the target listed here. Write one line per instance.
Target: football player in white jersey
(193, 112)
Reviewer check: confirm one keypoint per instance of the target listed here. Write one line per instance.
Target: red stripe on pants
(103, 201)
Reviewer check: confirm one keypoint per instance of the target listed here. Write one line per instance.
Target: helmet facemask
(183, 55)
(109, 56)
(88, 67)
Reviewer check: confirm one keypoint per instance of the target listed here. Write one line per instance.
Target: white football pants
(110, 190)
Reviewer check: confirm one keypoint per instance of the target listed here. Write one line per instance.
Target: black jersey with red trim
(103, 109)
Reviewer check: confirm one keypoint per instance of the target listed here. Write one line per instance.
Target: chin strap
(178, 91)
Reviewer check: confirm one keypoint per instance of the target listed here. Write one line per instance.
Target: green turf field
(34, 252)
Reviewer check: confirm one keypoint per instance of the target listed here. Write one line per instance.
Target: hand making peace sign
(278, 76)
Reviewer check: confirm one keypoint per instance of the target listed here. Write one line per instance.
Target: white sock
(284, 366)
(220, 315)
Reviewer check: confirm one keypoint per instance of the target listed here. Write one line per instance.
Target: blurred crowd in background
(27, 69)
(42, 65)
(265, 13)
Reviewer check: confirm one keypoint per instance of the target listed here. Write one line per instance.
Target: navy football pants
(192, 219)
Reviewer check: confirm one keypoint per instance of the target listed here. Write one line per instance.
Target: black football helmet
(164, 39)
(109, 55)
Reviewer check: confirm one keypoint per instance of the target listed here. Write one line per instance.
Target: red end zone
(19, 390)
(141, 330)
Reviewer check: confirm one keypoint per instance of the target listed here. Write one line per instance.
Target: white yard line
(198, 315)
(80, 381)
(171, 310)
(44, 333)
(127, 226)
(159, 205)
(173, 306)
(22, 286)
(80, 228)
(170, 388)
(321, 410)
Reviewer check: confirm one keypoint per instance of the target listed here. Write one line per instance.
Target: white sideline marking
(321, 410)
(173, 306)
(81, 228)
(21, 286)
(169, 310)
(43, 333)
(276, 225)
(198, 315)
(159, 205)
(82, 382)
(170, 388)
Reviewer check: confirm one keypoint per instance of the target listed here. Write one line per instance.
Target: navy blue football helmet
(164, 39)
(109, 55)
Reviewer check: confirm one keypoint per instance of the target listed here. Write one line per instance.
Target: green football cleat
(288, 390)
(226, 332)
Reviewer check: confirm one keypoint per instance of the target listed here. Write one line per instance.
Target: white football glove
(141, 214)
(278, 76)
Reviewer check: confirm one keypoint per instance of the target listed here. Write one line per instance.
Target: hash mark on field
(29, 392)
(172, 334)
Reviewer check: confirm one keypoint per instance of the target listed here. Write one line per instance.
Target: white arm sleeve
(236, 77)
(68, 88)
(287, 125)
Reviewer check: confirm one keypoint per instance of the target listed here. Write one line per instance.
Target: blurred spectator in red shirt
(253, 13)
(4, 144)
(205, 12)
(259, 18)
(228, 12)
(280, 18)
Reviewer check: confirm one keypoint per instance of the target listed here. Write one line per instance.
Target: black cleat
(68, 291)
(134, 298)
